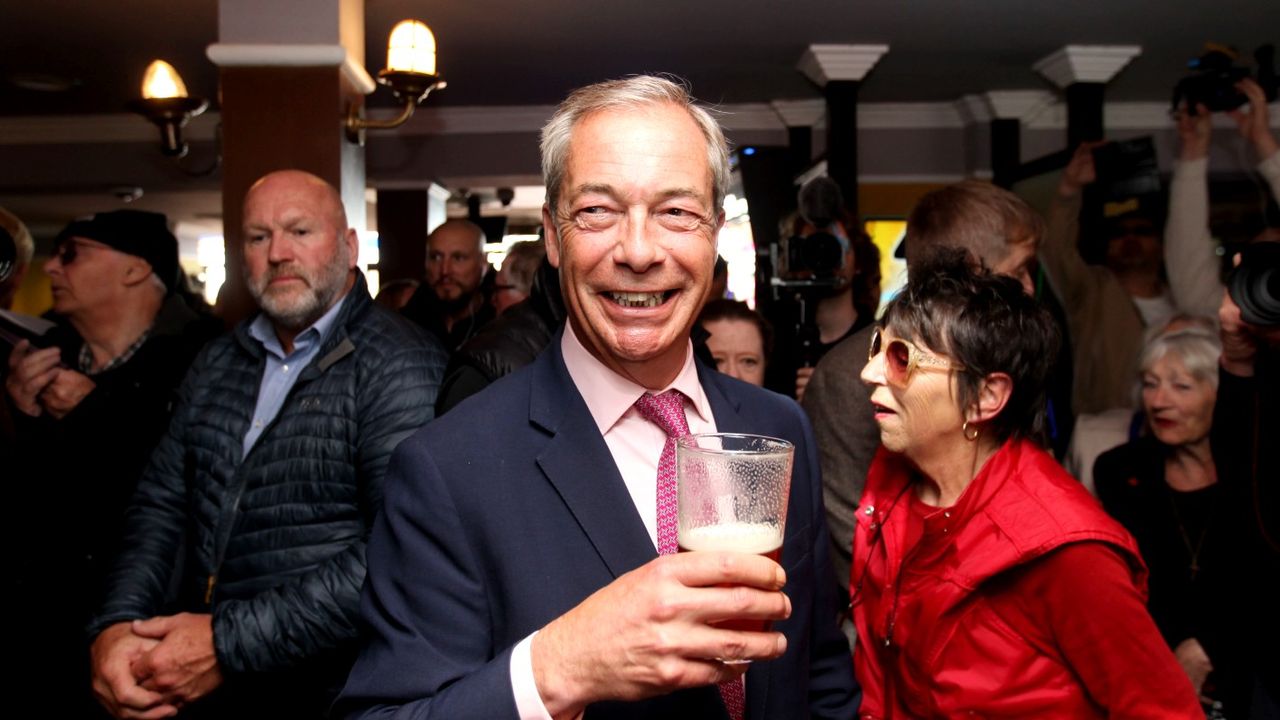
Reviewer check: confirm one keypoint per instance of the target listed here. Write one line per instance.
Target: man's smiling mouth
(637, 299)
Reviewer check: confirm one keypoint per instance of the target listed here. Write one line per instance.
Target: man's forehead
(454, 239)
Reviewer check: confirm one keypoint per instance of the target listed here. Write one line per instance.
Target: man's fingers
(717, 644)
(704, 569)
(155, 628)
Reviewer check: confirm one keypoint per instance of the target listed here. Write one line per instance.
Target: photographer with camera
(1247, 459)
(834, 274)
(1190, 258)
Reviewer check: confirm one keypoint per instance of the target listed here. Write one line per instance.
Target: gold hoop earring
(966, 427)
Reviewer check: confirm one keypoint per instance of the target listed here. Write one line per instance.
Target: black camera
(810, 259)
(1214, 77)
(1255, 284)
(8, 254)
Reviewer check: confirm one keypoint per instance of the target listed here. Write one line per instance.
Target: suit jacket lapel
(578, 463)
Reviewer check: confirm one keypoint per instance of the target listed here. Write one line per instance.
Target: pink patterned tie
(667, 412)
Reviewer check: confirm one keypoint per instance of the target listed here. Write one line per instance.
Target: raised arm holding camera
(1191, 261)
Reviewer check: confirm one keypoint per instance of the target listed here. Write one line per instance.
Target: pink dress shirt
(635, 443)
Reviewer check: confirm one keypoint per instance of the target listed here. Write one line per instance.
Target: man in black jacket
(88, 410)
(244, 547)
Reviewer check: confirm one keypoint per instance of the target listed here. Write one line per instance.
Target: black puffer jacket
(273, 545)
(508, 343)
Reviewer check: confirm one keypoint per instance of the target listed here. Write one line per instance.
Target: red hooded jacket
(1024, 599)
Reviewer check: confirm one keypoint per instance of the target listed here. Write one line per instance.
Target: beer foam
(757, 538)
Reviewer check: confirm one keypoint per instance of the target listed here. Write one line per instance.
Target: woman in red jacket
(986, 581)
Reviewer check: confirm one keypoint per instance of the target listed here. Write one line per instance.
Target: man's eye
(678, 218)
(595, 217)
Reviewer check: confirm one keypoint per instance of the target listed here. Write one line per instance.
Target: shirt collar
(264, 332)
(609, 395)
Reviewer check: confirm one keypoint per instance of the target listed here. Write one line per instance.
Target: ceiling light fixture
(165, 102)
(410, 73)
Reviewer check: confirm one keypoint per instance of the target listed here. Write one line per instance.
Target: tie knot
(666, 410)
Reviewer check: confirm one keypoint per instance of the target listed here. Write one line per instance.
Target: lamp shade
(411, 47)
(162, 81)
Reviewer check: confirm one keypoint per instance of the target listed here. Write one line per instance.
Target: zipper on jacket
(228, 518)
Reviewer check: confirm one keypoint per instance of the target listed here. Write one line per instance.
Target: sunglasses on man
(902, 358)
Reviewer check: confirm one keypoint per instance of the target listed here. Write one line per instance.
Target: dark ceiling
(507, 52)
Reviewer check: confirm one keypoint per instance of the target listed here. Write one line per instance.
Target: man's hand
(648, 632)
(1194, 132)
(1080, 171)
(66, 391)
(182, 667)
(1255, 125)
(30, 372)
(1238, 346)
(802, 381)
(1194, 661)
(111, 654)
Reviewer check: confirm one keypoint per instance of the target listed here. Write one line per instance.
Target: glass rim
(775, 445)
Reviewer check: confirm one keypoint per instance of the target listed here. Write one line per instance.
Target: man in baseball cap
(87, 412)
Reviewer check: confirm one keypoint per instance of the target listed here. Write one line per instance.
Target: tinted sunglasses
(901, 358)
(68, 251)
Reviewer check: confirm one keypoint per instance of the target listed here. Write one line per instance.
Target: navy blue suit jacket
(508, 511)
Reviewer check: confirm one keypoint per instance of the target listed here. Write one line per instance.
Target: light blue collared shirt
(282, 370)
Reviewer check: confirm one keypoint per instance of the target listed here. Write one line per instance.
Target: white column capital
(824, 63)
(1086, 63)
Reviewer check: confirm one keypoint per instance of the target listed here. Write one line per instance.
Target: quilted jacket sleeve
(140, 582)
(317, 610)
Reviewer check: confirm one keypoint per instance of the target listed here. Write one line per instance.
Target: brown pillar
(402, 234)
(284, 88)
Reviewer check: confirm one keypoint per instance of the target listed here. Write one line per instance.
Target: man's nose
(280, 248)
(639, 246)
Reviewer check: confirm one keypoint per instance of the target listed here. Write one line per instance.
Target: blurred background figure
(719, 279)
(16, 250)
(451, 304)
(395, 294)
(971, 540)
(740, 339)
(515, 277)
(1163, 488)
(831, 275)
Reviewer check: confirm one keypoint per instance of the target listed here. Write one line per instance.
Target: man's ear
(136, 270)
(993, 395)
(353, 247)
(552, 243)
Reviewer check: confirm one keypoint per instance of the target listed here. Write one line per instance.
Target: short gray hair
(636, 91)
(522, 263)
(25, 245)
(1198, 349)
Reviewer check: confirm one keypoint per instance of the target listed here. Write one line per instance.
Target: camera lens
(1255, 284)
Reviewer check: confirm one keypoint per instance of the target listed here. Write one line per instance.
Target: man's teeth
(632, 299)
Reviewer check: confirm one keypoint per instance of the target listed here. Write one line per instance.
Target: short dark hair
(726, 309)
(986, 323)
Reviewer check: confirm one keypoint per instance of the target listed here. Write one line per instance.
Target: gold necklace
(1193, 553)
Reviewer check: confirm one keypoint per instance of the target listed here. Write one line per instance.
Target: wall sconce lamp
(165, 102)
(410, 73)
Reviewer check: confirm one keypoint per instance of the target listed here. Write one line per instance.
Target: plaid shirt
(86, 356)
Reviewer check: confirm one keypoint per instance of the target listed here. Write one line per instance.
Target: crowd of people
(455, 501)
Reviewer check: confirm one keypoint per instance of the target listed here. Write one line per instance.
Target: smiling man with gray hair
(535, 576)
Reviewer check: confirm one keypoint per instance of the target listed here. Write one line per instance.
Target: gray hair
(522, 262)
(633, 92)
(1197, 348)
(26, 246)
